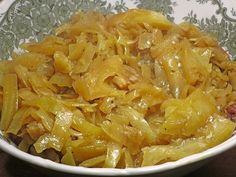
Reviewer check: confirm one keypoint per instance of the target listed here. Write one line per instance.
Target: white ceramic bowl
(21, 20)
(170, 169)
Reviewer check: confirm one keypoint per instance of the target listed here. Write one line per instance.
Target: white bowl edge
(38, 161)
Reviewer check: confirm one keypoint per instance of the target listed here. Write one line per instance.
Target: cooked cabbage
(118, 91)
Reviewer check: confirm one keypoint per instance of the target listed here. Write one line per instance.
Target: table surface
(222, 166)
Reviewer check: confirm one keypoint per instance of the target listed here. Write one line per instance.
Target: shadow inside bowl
(12, 167)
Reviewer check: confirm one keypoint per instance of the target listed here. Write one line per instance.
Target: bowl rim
(48, 164)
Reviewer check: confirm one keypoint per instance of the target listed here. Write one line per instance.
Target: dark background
(223, 165)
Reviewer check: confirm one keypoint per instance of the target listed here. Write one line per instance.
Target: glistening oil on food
(125, 90)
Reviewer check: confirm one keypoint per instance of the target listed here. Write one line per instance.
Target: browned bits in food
(231, 111)
(119, 91)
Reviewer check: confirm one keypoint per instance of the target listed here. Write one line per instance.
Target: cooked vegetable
(10, 100)
(119, 91)
(216, 131)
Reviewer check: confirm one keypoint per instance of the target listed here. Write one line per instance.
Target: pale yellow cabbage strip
(128, 136)
(191, 114)
(68, 158)
(113, 155)
(222, 129)
(137, 120)
(93, 162)
(45, 117)
(47, 141)
(85, 127)
(10, 100)
(141, 15)
(18, 119)
(62, 123)
(129, 162)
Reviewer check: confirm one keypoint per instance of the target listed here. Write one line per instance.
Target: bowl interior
(22, 21)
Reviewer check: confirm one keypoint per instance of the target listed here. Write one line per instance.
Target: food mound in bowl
(117, 91)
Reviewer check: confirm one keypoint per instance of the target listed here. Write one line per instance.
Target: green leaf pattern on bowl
(26, 20)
